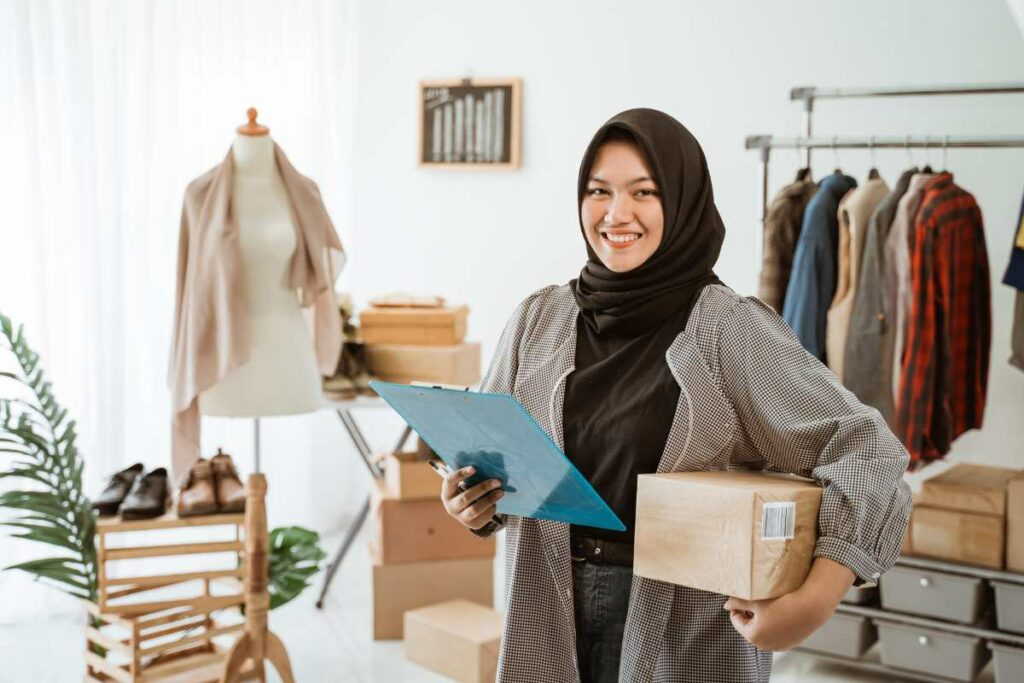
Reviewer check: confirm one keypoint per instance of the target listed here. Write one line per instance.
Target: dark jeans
(601, 597)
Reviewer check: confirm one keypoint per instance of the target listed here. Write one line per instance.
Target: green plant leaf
(42, 437)
(295, 556)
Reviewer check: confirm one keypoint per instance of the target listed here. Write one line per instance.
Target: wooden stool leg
(278, 656)
(258, 643)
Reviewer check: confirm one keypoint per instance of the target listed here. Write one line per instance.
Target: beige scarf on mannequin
(210, 336)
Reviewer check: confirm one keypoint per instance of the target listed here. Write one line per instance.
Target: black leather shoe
(118, 486)
(149, 497)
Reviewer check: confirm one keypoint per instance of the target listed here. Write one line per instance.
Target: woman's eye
(647, 193)
(596, 191)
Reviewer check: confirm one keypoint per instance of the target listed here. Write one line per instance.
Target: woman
(647, 363)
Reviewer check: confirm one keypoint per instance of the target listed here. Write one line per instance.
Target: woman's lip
(619, 245)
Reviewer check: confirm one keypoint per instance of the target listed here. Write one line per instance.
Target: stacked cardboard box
(408, 344)
(961, 516)
(421, 556)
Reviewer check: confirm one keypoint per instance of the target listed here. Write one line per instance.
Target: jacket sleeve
(798, 418)
(805, 304)
(501, 375)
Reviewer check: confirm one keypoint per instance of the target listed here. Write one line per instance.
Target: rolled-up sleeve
(796, 416)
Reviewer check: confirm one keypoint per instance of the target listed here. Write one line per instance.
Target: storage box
(933, 594)
(419, 530)
(410, 478)
(846, 635)
(867, 595)
(1009, 662)
(428, 326)
(398, 588)
(456, 365)
(458, 639)
(939, 653)
(968, 488)
(744, 534)
(1009, 606)
(1015, 525)
(967, 537)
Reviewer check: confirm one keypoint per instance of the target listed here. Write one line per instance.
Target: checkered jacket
(749, 393)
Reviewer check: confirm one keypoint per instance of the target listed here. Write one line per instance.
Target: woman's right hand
(474, 507)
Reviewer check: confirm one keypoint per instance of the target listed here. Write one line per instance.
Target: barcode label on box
(778, 521)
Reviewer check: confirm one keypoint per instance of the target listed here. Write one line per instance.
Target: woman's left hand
(785, 622)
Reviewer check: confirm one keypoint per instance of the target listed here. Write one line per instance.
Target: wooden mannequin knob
(253, 128)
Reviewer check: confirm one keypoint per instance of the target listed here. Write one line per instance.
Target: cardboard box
(1015, 525)
(398, 588)
(405, 364)
(744, 534)
(419, 530)
(970, 488)
(966, 537)
(458, 639)
(410, 478)
(428, 326)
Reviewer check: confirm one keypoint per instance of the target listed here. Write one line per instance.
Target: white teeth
(622, 238)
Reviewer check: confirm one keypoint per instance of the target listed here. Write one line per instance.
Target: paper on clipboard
(498, 437)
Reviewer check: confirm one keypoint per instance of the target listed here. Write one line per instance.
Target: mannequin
(281, 377)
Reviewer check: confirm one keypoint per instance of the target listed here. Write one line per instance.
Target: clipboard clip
(451, 387)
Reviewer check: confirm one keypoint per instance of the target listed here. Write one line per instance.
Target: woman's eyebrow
(635, 181)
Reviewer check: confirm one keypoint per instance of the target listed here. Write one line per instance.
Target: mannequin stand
(258, 642)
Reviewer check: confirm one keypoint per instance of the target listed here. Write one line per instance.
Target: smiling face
(621, 210)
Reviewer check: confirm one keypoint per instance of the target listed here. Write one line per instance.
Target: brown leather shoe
(197, 496)
(230, 491)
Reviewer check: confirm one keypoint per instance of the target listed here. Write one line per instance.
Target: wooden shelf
(169, 520)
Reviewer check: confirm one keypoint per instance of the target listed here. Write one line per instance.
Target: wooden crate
(173, 645)
(128, 593)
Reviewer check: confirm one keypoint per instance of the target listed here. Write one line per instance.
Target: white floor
(333, 644)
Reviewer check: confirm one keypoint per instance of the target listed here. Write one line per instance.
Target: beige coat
(210, 335)
(854, 212)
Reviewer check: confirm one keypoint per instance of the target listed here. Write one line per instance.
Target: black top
(618, 408)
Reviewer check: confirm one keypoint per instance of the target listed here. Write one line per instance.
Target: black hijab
(625, 304)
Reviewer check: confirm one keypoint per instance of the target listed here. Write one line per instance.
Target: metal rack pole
(811, 93)
(886, 141)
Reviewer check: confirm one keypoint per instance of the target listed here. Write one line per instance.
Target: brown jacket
(210, 335)
(781, 232)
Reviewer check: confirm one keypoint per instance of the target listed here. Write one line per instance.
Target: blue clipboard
(495, 434)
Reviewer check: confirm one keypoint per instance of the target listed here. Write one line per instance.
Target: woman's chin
(618, 262)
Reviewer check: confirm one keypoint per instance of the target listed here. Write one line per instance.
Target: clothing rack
(809, 142)
(810, 94)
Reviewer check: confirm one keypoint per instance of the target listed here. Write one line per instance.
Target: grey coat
(749, 392)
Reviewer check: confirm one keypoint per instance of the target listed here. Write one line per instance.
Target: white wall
(724, 69)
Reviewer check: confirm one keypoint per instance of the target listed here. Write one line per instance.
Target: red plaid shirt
(944, 372)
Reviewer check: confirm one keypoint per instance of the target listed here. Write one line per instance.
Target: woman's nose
(621, 211)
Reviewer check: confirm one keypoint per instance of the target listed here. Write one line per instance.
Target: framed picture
(471, 123)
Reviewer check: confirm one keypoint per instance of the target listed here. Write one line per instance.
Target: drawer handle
(923, 641)
(925, 582)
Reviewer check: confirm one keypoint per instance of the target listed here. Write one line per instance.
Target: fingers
(739, 605)
(465, 500)
(483, 518)
(450, 488)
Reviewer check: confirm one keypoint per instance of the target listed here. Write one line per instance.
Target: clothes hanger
(927, 158)
(873, 173)
(945, 149)
(803, 172)
(835, 155)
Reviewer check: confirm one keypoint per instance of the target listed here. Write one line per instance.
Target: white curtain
(107, 110)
